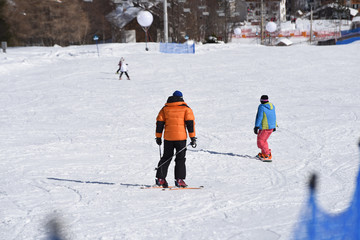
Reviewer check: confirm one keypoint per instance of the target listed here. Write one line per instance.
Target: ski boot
(161, 182)
(267, 158)
(180, 183)
(264, 157)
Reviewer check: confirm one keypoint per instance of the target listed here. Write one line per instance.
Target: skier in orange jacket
(175, 117)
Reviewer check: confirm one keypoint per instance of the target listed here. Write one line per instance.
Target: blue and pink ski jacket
(266, 116)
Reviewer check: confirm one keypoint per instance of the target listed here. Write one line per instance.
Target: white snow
(66, 119)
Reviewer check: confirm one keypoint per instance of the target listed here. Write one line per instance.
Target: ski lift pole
(172, 157)
(146, 38)
(145, 19)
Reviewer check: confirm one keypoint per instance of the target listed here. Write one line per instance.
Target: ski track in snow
(78, 144)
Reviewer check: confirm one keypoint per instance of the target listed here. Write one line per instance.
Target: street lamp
(96, 38)
(145, 19)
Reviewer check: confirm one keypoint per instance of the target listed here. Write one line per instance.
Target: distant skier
(120, 63)
(123, 68)
(176, 116)
(265, 124)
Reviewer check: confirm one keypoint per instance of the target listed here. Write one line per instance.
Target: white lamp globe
(145, 18)
(271, 27)
(237, 31)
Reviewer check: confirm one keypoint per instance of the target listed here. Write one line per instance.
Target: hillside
(77, 143)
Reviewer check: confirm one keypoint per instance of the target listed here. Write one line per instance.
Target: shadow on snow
(98, 182)
(225, 154)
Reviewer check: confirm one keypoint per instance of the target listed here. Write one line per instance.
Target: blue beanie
(177, 94)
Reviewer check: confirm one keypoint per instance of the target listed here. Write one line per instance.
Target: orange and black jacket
(176, 116)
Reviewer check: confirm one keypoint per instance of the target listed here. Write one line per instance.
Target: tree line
(72, 22)
(45, 23)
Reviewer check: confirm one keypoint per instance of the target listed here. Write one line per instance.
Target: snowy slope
(77, 143)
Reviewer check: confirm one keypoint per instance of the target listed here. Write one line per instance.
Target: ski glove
(193, 142)
(158, 141)
(274, 130)
(256, 129)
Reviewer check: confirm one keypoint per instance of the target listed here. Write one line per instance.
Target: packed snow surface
(77, 143)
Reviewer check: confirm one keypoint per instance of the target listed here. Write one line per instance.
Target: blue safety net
(350, 32)
(349, 36)
(316, 224)
(177, 48)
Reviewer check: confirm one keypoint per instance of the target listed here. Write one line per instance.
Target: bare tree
(4, 26)
(47, 23)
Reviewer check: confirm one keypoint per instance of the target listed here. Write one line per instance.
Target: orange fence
(248, 33)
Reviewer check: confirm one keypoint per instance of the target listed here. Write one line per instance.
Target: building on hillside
(332, 11)
(355, 4)
(125, 26)
(294, 6)
(241, 10)
(273, 10)
(304, 6)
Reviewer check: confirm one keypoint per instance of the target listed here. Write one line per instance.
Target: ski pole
(160, 151)
(172, 156)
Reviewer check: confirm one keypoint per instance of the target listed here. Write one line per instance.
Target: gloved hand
(256, 129)
(274, 130)
(158, 141)
(193, 142)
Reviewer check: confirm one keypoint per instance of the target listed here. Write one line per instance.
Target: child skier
(265, 124)
(123, 68)
(120, 63)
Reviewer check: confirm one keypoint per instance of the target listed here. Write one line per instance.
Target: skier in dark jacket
(175, 117)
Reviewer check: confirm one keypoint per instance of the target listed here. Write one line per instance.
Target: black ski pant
(180, 168)
(125, 74)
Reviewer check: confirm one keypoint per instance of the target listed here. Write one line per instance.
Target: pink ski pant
(262, 137)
